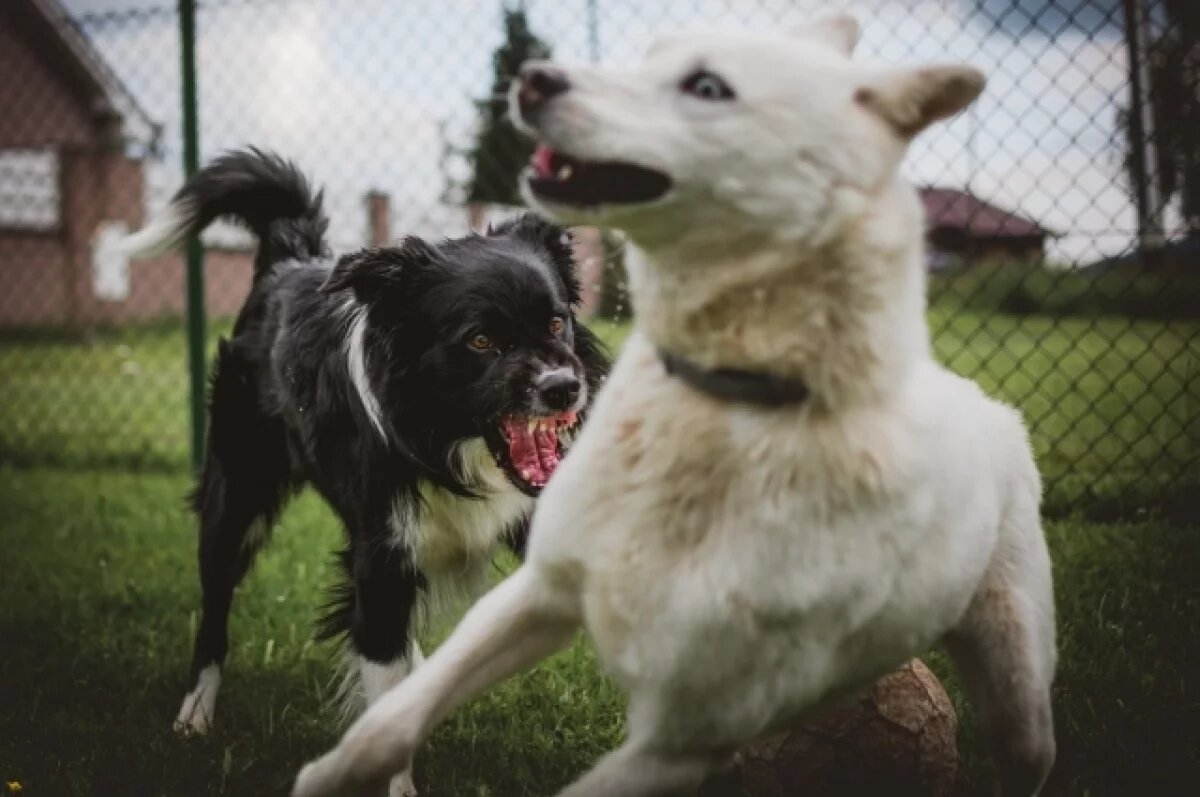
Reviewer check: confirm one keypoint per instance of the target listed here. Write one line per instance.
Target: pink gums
(542, 161)
(534, 453)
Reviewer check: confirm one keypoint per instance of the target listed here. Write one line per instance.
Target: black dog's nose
(559, 390)
(539, 82)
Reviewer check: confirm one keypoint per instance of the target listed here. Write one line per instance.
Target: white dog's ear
(912, 99)
(839, 30)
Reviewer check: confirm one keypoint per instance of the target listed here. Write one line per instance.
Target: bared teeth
(550, 425)
(564, 172)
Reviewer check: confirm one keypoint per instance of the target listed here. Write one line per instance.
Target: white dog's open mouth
(563, 179)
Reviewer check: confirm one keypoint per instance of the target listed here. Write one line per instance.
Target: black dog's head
(477, 337)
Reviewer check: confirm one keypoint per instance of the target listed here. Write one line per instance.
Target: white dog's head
(755, 134)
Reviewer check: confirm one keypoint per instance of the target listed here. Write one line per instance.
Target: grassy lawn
(99, 596)
(1111, 403)
(98, 589)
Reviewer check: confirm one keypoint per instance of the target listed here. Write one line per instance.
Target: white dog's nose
(539, 81)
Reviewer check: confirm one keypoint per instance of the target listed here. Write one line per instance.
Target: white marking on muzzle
(564, 370)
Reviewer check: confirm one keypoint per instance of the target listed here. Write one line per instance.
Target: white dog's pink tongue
(542, 161)
(534, 452)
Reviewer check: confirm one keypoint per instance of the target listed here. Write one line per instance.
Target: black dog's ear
(371, 273)
(551, 237)
(535, 229)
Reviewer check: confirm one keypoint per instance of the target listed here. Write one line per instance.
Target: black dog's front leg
(384, 591)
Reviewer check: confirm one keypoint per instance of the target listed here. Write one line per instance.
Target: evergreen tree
(500, 151)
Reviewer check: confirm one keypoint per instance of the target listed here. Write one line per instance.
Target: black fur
(285, 411)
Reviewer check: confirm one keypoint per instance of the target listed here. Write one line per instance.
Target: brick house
(74, 145)
(962, 228)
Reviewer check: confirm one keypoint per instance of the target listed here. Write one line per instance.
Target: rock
(897, 740)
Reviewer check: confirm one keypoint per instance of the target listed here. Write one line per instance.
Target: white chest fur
(742, 540)
(451, 537)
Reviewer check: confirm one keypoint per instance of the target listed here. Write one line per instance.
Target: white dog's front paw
(326, 777)
(402, 785)
(311, 781)
(364, 763)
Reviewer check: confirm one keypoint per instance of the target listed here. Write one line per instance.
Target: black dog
(427, 391)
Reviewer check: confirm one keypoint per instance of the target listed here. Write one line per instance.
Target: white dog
(779, 496)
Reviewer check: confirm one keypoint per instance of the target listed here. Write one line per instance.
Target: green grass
(98, 589)
(119, 399)
(1111, 402)
(99, 598)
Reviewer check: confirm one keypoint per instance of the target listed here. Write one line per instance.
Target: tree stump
(897, 740)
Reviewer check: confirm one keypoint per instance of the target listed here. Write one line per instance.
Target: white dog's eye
(706, 86)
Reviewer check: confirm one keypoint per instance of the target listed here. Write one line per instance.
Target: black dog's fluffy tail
(260, 190)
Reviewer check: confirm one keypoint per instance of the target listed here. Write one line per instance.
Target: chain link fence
(1063, 209)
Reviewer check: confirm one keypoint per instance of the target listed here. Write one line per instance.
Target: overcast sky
(371, 93)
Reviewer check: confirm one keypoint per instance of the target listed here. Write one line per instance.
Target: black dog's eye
(557, 325)
(480, 343)
(706, 86)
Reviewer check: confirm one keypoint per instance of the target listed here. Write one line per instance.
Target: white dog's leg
(377, 679)
(1005, 653)
(634, 770)
(1001, 662)
(513, 627)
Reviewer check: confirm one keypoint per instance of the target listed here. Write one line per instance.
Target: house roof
(951, 208)
(82, 65)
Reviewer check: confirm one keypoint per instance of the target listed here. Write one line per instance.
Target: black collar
(734, 384)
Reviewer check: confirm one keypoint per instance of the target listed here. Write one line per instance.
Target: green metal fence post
(195, 253)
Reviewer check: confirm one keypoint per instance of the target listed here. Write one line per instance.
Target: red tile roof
(955, 209)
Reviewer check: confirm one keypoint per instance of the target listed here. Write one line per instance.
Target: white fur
(379, 678)
(376, 680)
(736, 568)
(356, 362)
(199, 706)
(165, 233)
(453, 541)
(456, 536)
